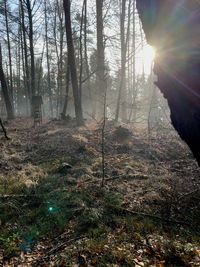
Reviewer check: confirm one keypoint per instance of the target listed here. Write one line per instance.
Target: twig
(188, 194)
(103, 138)
(53, 251)
(124, 176)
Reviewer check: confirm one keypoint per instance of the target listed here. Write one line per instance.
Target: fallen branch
(152, 216)
(127, 177)
(1, 258)
(4, 130)
(189, 194)
(19, 196)
(52, 251)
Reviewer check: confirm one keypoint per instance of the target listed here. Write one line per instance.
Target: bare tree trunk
(48, 62)
(30, 18)
(72, 64)
(63, 114)
(9, 108)
(133, 107)
(25, 48)
(121, 100)
(59, 53)
(100, 60)
(81, 49)
(9, 50)
(60, 63)
(86, 61)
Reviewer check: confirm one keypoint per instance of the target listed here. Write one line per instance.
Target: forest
(99, 133)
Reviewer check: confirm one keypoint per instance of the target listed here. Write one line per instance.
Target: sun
(148, 54)
(146, 57)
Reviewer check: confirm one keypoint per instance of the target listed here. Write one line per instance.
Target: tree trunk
(86, 62)
(63, 114)
(178, 75)
(48, 62)
(100, 60)
(9, 51)
(24, 47)
(134, 93)
(121, 100)
(9, 108)
(72, 64)
(30, 18)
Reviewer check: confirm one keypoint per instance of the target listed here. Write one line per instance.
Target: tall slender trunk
(48, 62)
(9, 50)
(63, 114)
(72, 64)
(9, 107)
(59, 53)
(17, 91)
(100, 59)
(124, 42)
(81, 48)
(133, 107)
(25, 48)
(30, 18)
(86, 61)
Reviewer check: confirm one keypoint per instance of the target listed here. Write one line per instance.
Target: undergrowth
(46, 209)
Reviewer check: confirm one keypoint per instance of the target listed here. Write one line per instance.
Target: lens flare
(148, 54)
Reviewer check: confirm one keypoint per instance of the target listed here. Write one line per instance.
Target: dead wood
(4, 129)
(152, 216)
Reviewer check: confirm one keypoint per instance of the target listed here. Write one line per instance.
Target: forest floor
(54, 212)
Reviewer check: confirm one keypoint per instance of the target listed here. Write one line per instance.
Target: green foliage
(106, 259)
(9, 242)
(141, 226)
(86, 221)
(113, 199)
(9, 185)
(99, 233)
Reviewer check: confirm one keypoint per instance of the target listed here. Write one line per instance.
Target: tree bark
(30, 18)
(72, 64)
(86, 61)
(9, 50)
(100, 60)
(121, 100)
(48, 61)
(178, 75)
(9, 108)
(63, 114)
(25, 48)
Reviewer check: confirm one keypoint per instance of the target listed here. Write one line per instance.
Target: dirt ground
(156, 177)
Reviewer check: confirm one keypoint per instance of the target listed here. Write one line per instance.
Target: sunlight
(146, 58)
(148, 54)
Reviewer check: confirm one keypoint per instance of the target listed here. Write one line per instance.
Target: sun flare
(149, 54)
(145, 58)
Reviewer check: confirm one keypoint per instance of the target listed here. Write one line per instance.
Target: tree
(9, 48)
(48, 61)
(72, 64)
(25, 51)
(100, 73)
(178, 76)
(31, 46)
(9, 108)
(124, 38)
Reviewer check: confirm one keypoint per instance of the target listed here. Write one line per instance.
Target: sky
(144, 58)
